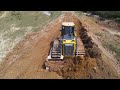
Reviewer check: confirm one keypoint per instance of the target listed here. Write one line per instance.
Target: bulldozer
(68, 45)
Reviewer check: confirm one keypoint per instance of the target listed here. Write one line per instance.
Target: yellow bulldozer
(67, 45)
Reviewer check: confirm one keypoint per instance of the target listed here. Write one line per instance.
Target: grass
(78, 12)
(112, 43)
(27, 18)
(17, 24)
(23, 20)
(99, 34)
(1, 12)
(115, 48)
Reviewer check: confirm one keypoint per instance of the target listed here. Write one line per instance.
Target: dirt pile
(76, 68)
(90, 47)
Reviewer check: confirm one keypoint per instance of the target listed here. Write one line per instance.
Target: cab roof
(68, 24)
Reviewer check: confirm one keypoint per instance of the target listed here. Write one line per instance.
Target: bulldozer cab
(67, 29)
(68, 39)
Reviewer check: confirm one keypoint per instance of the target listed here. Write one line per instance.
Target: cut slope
(108, 59)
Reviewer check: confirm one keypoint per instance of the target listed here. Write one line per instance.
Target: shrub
(107, 14)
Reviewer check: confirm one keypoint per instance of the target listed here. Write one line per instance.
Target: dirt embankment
(108, 60)
(28, 57)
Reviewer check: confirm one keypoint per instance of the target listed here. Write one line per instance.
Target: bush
(107, 14)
